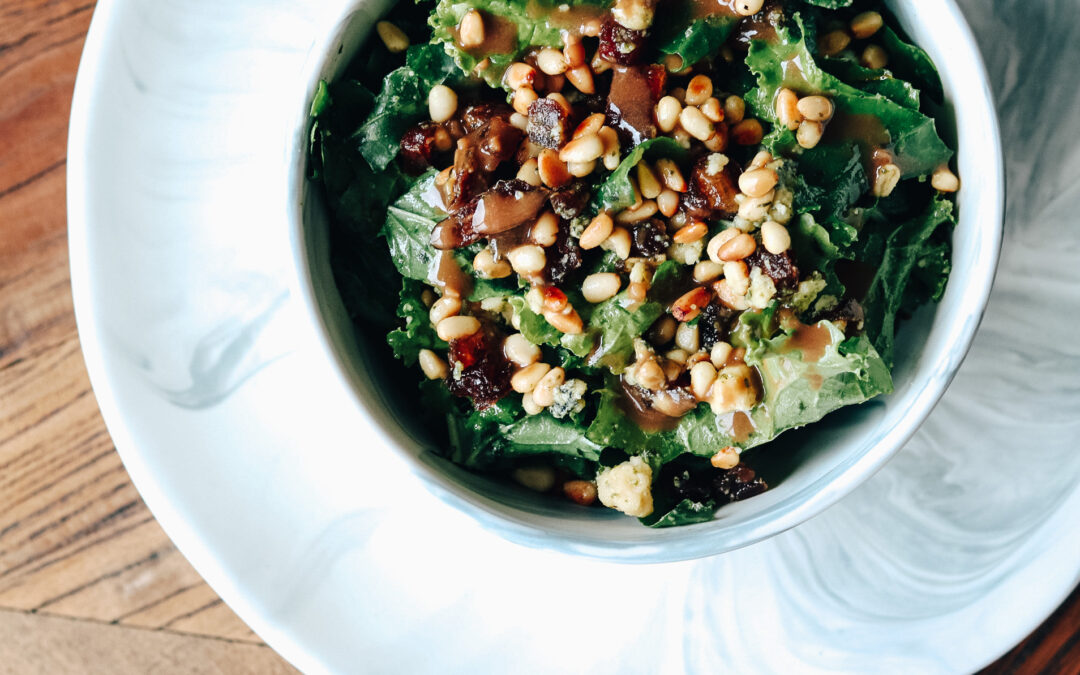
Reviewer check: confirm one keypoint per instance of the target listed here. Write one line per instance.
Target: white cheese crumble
(627, 487)
(568, 398)
(762, 289)
(716, 163)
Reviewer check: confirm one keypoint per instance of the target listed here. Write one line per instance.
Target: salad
(618, 244)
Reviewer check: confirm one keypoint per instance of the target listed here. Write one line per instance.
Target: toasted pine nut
(554, 299)
(702, 376)
(718, 141)
(866, 24)
(833, 43)
(690, 233)
(582, 78)
(529, 405)
(561, 100)
(707, 270)
(551, 61)
(487, 267)
(886, 179)
(712, 109)
(393, 37)
(678, 355)
(760, 160)
(668, 202)
(647, 182)
(596, 232)
(527, 260)
(427, 297)
(650, 375)
(535, 478)
(544, 393)
(599, 64)
(673, 63)
(601, 286)
(874, 57)
(526, 379)
(545, 230)
(457, 327)
(432, 365)
(584, 149)
(696, 124)
(667, 113)
(529, 172)
(619, 242)
(590, 126)
(647, 210)
(775, 237)
(679, 94)
(739, 247)
(518, 349)
(633, 14)
(663, 331)
(738, 276)
(519, 121)
(747, 132)
(567, 321)
(686, 337)
(442, 103)
(734, 109)
(698, 90)
(809, 134)
(552, 170)
(815, 108)
(758, 182)
(443, 142)
(756, 208)
(944, 180)
(610, 140)
(574, 52)
(720, 239)
(471, 29)
(690, 304)
(444, 307)
(787, 108)
(725, 458)
(581, 169)
(671, 175)
(748, 7)
(728, 297)
(520, 75)
(719, 354)
(523, 98)
(636, 291)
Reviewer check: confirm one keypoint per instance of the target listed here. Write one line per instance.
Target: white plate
(209, 382)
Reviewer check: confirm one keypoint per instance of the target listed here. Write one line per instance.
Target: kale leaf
(617, 192)
(417, 332)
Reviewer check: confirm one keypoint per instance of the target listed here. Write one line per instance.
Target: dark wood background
(88, 580)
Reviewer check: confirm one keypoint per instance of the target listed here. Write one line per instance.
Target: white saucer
(209, 383)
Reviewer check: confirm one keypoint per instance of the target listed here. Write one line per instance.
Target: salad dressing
(740, 427)
(810, 339)
(500, 37)
(571, 21)
(638, 411)
(449, 277)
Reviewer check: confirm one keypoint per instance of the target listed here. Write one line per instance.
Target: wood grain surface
(88, 580)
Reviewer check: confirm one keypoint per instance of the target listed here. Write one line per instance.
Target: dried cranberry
(779, 267)
(484, 373)
(549, 123)
(619, 44)
(562, 258)
(475, 116)
(650, 238)
(418, 146)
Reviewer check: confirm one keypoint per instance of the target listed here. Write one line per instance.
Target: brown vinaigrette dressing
(739, 426)
(500, 37)
(570, 21)
(810, 339)
(449, 277)
(638, 411)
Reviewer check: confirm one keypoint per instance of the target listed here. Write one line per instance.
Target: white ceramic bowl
(822, 463)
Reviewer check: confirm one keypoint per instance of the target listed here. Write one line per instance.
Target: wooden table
(88, 580)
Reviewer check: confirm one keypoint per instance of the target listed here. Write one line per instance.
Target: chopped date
(569, 202)
(563, 258)
(418, 147)
(484, 373)
(714, 325)
(619, 44)
(718, 189)
(657, 78)
(475, 116)
(549, 123)
(778, 267)
(650, 239)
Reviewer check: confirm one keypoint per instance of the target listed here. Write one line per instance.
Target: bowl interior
(807, 469)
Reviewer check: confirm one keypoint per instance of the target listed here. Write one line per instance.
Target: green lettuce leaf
(616, 192)
(417, 332)
(873, 81)
(693, 40)
(911, 63)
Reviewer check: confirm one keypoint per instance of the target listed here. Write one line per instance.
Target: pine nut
(738, 276)
(567, 321)
(702, 376)
(526, 379)
(471, 29)
(886, 179)
(528, 260)
(545, 230)
(787, 109)
(712, 109)
(667, 113)
(747, 132)
(734, 109)
(663, 331)
(874, 58)
(590, 126)
(488, 268)
(647, 182)
(725, 458)
(561, 100)
(866, 24)
(739, 247)
(610, 139)
(760, 160)
(756, 208)
(758, 182)
(393, 37)
(633, 14)
(522, 99)
(647, 210)
(671, 175)
(833, 43)
(601, 286)
(551, 61)
(809, 134)
(582, 78)
(720, 239)
(519, 121)
(690, 304)
(581, 169)
(443, 142)
(690, 233)
(696, 124)
(529, 172)
(552, 170)
(544, 393)
(529, 405)
(650, 375)
(728, 297)
(554, 299)
(535, 478)
(668, 202)
(718, 141)
(518, 349)
(444, 307)
(719, 354)
(775, 237)
(584, 149)
(520, 76)
(815, 108)
(442, 103)
(944, 180)
(682, 137)
(686, 337)
(596, 232)
(618, 241)
(707, 270)
(433, 366)
(457, 327)
(574, 52)
(679, 94)
(748, 7)
(427, 297)
(677, 355)
(698, 90)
